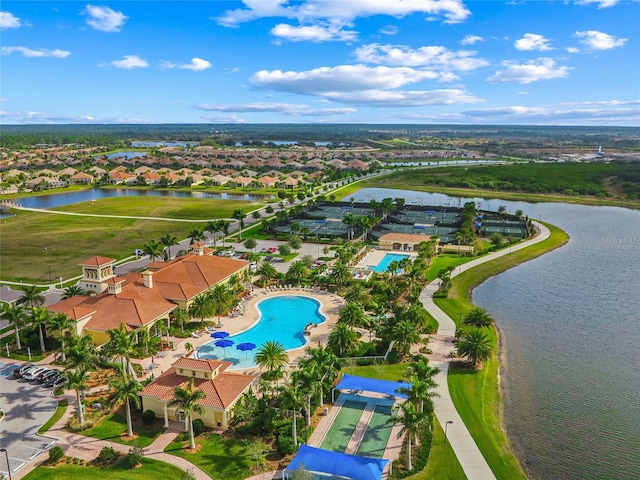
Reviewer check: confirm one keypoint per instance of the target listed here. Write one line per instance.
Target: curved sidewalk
(471, 459)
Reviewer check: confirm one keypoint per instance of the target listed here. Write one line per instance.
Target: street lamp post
(6, 454)
(447, 423)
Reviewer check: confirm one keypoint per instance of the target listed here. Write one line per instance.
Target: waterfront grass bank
(477, 394)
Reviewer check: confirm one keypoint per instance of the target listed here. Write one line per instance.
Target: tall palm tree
(63, 324)
(267, 272)
(40, 316)
(224, 228)
(72, 291)
(16, 315)
(340, 273)
(187, 399)
(196, 235)
(239, 215)
(324, 363)
(180, 316)
(126, 391)
(168, 241)
(32, 296)
(478, 317)
(81, 353)
(475, 345)
(343, 340)
(412, 421)
(356, 293)
(122, 343)
(153, 248)
(221, 298)
(405, 334)
(421, 376)
(272, 356)
(213, 227)
(202, 307)
(352, 314)
(290, 398)
(298, 271)
(78, 383)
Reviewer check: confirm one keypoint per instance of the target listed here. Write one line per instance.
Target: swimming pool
(387, 259)
(281, 318)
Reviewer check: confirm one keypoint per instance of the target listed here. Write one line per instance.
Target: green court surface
(377, 433)
(343, 426)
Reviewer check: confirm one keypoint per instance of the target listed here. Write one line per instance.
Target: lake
(570, 324)
(61, 199)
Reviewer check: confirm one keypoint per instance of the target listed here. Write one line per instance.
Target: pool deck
(330, 305)
(373, 257)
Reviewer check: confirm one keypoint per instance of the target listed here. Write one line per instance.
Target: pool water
(281, 319)
(387, 259)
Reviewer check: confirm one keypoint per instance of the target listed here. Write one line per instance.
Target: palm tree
(272, 356)
(267, 272)
(72, 291)
(180, 316)
(349, 219)
(343, 340)
(123, 344)
(31, 296)
(478, 317)
(340, 273)
(40, 316)
(405, 334)
(239, 215)
(81, 353)
(475, 345)
(187, 399)
(224, 228)
(126, 391)
(352, 314)
(153, 248)
(168, 241)
(15, 314)
(412, 421)
(324, 363)
(202, 307)
(220, 298)
(196, 235)
(213, 227)
(357, 294)
(420, 375)
(78, 382)
(298, 271)
(62, 323)
(290, 397)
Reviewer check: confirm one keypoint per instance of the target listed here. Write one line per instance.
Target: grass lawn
(71, 239)
(383, 372)
(443, 463)
(217, 455)
(60, 409)
(119, 471)
(113, 426)
(476, 394)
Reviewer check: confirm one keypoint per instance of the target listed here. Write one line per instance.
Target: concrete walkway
(473, 463)
(87, 448)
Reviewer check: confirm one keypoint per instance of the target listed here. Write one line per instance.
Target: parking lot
(26, 407)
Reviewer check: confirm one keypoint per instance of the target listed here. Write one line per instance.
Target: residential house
(81, 178)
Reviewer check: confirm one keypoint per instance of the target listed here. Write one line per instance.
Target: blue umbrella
(224, 344)
(220, 334)
(245, 347)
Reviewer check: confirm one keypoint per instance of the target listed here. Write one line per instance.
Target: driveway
(27, 407)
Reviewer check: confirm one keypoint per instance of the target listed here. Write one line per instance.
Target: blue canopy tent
(336, 465)
(386, 387)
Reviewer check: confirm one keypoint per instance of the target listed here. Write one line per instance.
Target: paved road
(27, 407)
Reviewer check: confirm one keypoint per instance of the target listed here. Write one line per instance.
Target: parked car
(43, 377)
(33, 373)
(60, 381)
(53, 379)
(268, 258)
(20, 371)
(244, 255)
(272, 250)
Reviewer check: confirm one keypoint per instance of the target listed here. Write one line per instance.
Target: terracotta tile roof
(201, 364)
(221, 392)
(96, 261)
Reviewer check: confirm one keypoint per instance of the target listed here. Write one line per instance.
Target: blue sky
(321, 61)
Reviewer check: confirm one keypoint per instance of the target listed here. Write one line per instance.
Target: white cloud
(599, 40)
(293, 109)
(313, 33)
(399, 98)
(196, 64)
(339, 11)
(389, 30)
(129, 62)
(8, 20)
(471, 40)
(429, 56)
(572, 50)
(533, 71)
(605, 102)
(533, 41)
(223, 119)
(105, 19)
(41, 52)
(600, 3)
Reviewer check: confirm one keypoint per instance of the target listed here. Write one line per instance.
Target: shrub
(285, 444)
(56, 454)
(134, 457)
(107, 454)
(198, 427)
(148, 417)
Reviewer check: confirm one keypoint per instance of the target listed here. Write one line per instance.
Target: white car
(33, 373)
